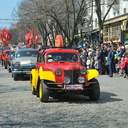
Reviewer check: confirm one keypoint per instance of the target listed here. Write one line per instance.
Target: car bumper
(21, 72)
(75, 87)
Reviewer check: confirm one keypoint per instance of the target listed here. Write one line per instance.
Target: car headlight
(67, 80)
(58, 72)
(17, 64)
(81, 80)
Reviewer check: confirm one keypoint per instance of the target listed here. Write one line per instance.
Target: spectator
(84, 56)
(110, 60)
(126, 65)
(101, 59)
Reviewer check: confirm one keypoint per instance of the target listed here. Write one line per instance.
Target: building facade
(116, 24)
(119, 8)
(116, 29)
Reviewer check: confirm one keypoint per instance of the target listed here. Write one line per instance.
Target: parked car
(23, 62)
(59, 71)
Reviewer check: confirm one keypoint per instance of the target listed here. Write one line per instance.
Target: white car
(24, 61)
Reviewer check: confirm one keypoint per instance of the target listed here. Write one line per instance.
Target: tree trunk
(100, 36)
(101, 26)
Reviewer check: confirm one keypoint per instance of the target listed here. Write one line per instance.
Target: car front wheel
(43, 92)
(94, 90)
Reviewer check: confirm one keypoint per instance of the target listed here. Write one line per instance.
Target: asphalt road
(20, 109)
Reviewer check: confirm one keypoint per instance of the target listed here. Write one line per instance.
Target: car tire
(33, 90)
(15, 77)
(94, 90)
(43, 92)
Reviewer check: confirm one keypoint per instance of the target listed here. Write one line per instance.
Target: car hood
(63, 65)
(25, 60)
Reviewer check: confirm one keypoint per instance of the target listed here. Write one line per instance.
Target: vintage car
(59, 71)
(23, 62)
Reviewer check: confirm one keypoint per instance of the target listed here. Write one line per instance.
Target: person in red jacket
(126, 65)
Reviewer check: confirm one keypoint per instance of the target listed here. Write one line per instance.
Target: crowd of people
(107, 58)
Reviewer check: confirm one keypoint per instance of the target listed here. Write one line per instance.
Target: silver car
(25, 59)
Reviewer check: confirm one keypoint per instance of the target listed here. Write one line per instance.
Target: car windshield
(65, 57)
(26, 54)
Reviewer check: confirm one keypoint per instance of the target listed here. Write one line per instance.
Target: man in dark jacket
(110, 61)
(101, 59)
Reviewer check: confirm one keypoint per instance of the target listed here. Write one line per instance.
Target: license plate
(74, 87)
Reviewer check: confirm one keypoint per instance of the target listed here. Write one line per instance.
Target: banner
(32, 37)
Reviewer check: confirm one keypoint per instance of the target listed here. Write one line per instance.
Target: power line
(9, 19)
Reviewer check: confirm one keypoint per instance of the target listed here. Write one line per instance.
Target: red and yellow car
(59, 71)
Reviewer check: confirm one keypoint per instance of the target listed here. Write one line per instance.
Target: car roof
(60, 50)
(27, 49)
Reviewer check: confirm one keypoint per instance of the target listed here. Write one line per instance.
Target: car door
(35, 73)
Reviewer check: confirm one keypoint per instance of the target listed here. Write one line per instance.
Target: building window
(118, 12)
(125, 10)
(114, 13)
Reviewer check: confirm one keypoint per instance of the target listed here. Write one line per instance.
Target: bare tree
(64, 17)
(102, 18)
(67, 17)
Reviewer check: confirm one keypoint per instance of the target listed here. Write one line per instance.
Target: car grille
(73, 75)
(26, 68)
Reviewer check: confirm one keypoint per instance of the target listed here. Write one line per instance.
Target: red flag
(29, 38)
(59, 41)
(5, 36)
(32, 37)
